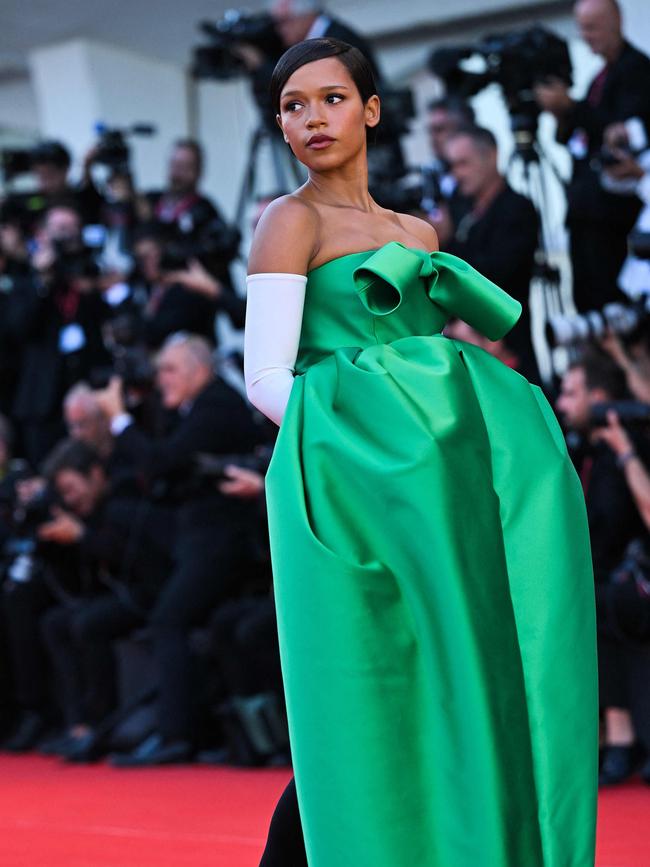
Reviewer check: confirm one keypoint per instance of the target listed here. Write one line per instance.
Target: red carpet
(54, 815)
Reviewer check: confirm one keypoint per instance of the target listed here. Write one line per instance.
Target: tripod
(287, 171)
(531, 163)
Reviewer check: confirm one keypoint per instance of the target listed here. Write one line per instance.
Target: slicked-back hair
(310, 50)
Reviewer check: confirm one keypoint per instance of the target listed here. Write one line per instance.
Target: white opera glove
(274, 309)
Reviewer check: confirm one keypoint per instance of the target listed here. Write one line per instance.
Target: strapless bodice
(379, 296)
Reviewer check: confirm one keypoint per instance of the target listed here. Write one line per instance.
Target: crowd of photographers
(131, 498)
(132, 468)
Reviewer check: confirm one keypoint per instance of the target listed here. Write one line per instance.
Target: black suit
(599, 221)
(37, 319)
(211, 541)
(501, 244)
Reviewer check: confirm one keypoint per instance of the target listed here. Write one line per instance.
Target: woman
(428, 532)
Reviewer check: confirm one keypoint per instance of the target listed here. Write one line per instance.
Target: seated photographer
(56, 320)
(212, 527)
(623, 609)
(498, 236)
(125, 555)
(597, 219)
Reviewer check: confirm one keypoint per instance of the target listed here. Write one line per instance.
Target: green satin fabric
(433, 582)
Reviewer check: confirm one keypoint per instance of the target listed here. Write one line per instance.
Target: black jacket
(219, 422)
(501, 244)
(46, 372)
(624, 95)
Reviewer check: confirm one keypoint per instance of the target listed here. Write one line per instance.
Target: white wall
(79, 83)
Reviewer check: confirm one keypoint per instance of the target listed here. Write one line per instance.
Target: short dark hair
(310, 50)
(191, 144)
(601, 371)
(483, 138)
(456, 106)
(72, 455)
(51, 153)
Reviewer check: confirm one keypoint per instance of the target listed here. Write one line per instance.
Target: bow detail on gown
(451, 284)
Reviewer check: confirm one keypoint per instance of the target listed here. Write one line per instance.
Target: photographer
(121, 546)
(498, 236)
(200, 245)
(623, 607)
(597, 219)
(175, 300)
(50, 163)
(212, 527)
(445, 118)
(613, 517)
(56, 320)
(628, 142)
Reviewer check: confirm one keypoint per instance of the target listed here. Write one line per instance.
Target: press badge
(72, 338)
(578, 144)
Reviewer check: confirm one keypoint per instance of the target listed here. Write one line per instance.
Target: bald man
(598, 221)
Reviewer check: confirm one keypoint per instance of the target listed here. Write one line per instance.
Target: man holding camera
(199, 244)
(212, 528)
(56, 320)
(598, 221)
(498, 236)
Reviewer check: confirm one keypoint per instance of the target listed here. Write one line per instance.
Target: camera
(112, 149)
(215, 243)
(74, 262)
(23, 519)
(623, 319)
(516, 61)
(132, 364)
(212, 467)
(218, 60)
(631, 413)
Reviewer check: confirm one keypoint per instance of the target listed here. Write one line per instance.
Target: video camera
(516, 60)
(112, 149)
(218, 60)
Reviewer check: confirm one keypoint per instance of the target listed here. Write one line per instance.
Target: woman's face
(322, 115)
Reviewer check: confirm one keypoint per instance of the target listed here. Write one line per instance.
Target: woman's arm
(283, 246)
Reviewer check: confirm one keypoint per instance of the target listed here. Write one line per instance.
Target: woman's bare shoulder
(286, 237)
(420, 229)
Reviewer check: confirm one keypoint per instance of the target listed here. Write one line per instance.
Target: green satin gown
(433, 581)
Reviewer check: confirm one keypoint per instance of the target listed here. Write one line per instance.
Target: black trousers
(285, 846)
(245, 645)
(623, 658)
(598, 250)
(79, 639)
(206, 561)
(23, 605)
